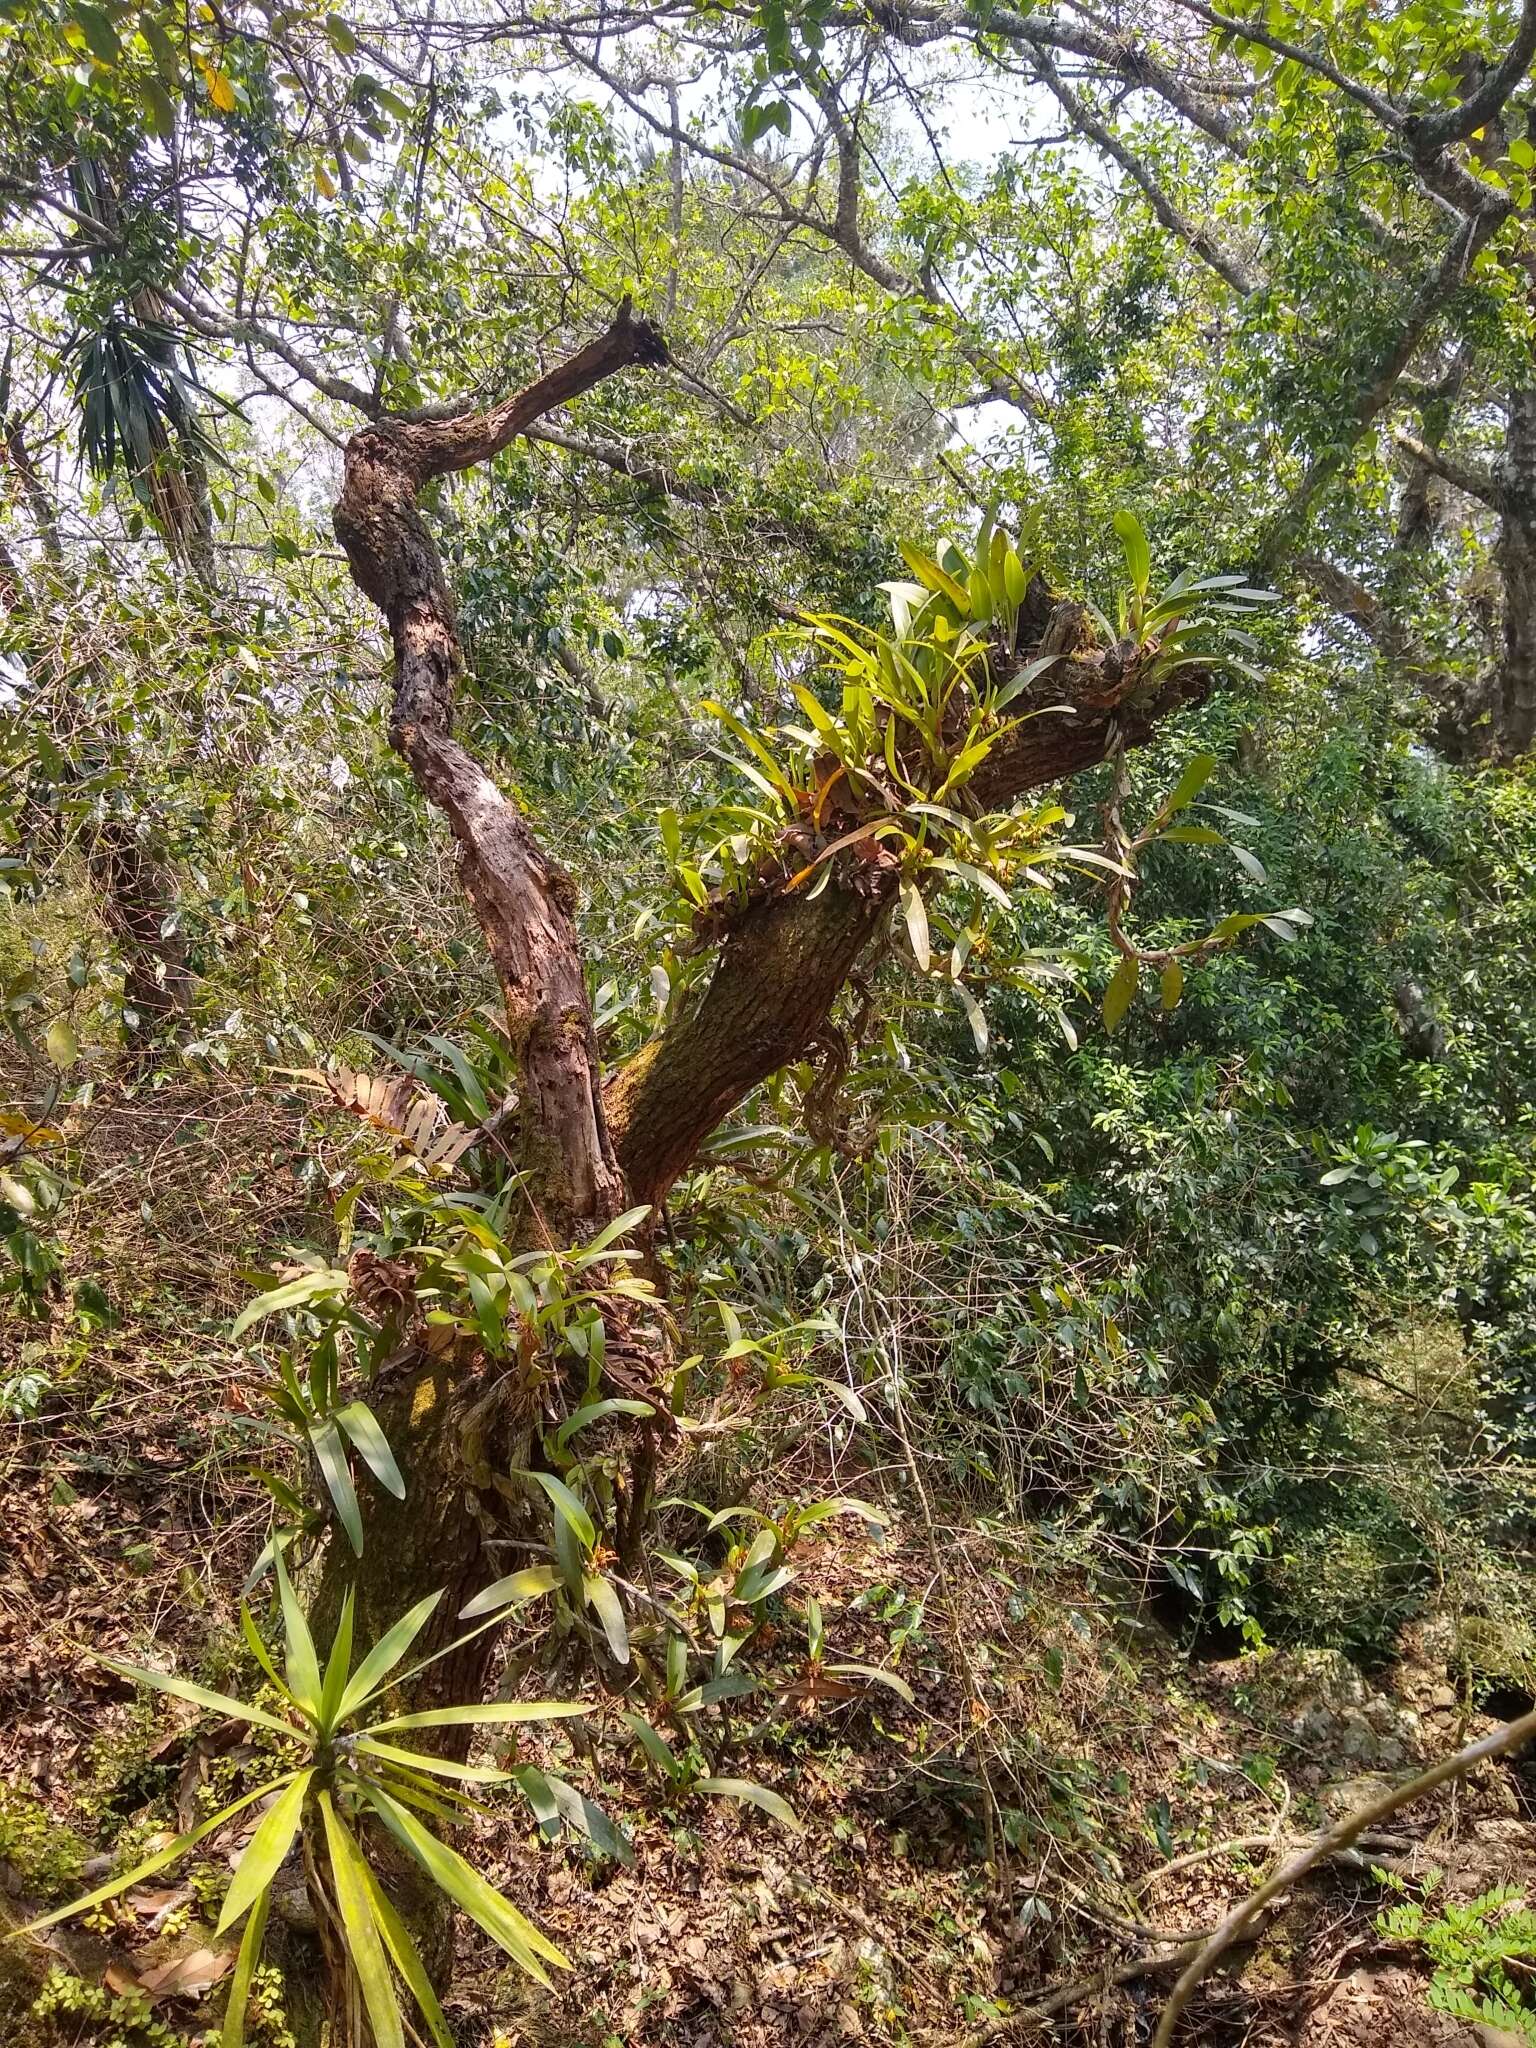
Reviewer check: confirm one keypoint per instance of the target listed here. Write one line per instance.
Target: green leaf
(916, 914)
(602, 1597)
(656, 1746)
(1196, 775)
(265, 1851)
(1138, 556)
(198, 1695)
(877, 1675)
(338, 1664)
(465, 1886)
(61, 1044)
(371, 1445)
(365, 1949)
(1193, 835)
(1249, 863)
(100, 36)
(619, 1227)
(597, 1411)
(384, 1656)
(579, 1813)
(239, 1999)
(757, 120)
(158, 1861)
(566, 1506)
(751, 1794)
(434, 1766)
(778, 784)
(1171, 984)
(160, 110)
(162, 49)
(975, 1016)
(331, 1457)
(932, 577)
(528, 1584)
(301, 1664)
(259, 1649)
(407, 1959)
(1117, 997)
(292, 1294)
(490, 1712)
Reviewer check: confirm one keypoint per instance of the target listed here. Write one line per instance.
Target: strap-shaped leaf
(158, 1861)
(365, 1947)
(598, 1411)
(1138, 556)
(440, 1801)
(751, 1794)
(245, 1968)
(338, 1664)
(197, 1695)
(566, 1506)
(602, 1597)
(386, 1653)
(371, 1445)
(436, 1766)
(265, 1851)
(302, 1665)
(407, 1959)
(655, 1745)
(292, 1294)
(877, 1675)
(489, 1713)
(501, 1920)
(331, 1456)
(528, 1584)
(259, 1650)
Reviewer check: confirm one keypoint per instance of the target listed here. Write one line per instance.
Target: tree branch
(215, 326)
(1435, 132)
(522, 898)
(1204, 244)
(781, 967)
(1461, 474)
(1514, 1735)
(1378, 381)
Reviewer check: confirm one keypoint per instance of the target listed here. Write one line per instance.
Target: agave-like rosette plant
(352, 1759)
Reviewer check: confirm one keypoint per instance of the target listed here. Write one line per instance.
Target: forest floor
(1014, 1855)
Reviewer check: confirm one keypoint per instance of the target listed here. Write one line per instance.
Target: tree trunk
(447, 1414)
(588, 1151)
(1515, 554)
(456, 1421)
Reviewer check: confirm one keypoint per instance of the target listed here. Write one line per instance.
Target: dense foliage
(909, 881)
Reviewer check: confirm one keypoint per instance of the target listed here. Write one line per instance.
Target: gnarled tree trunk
(588, 1149)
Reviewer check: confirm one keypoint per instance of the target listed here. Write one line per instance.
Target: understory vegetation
(767, 900)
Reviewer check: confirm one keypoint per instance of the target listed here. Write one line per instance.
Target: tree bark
(522, 898)
(1515, 554)
(780, 970)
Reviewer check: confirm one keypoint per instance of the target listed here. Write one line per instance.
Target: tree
(202, 198)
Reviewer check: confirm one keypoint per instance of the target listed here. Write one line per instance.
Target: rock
(1345, 1794)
